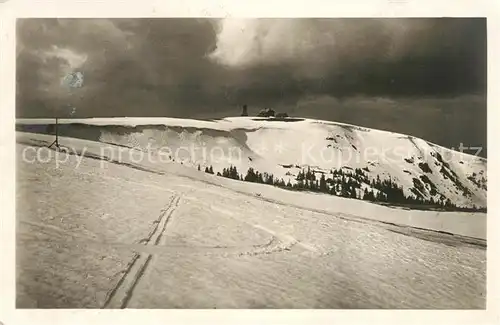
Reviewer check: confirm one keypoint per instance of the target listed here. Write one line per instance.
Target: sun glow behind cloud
(247, 42)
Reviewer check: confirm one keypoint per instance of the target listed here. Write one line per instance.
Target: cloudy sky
(425, 77)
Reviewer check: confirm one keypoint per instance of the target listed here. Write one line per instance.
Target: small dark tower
(244, 112)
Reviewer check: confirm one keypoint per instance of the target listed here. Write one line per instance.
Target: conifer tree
(322, 184)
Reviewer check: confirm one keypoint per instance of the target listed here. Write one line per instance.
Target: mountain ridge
(421, 168)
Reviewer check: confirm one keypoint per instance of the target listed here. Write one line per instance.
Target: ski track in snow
(124, 289)
(122, 293)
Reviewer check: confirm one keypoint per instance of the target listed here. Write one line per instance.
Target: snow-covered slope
(283, 148)
(93, 233)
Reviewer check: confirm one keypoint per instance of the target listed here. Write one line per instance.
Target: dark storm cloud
(199, 67)
(133, 67)
(366, 56)
(165, 63)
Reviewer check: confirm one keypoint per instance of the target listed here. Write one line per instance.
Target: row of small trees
(343, 183)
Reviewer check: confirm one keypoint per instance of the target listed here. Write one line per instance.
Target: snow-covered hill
(93, 233)
(284, 148)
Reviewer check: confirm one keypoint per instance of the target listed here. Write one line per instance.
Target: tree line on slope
(353, 184)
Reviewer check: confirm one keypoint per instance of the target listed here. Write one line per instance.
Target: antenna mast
(70, 81)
